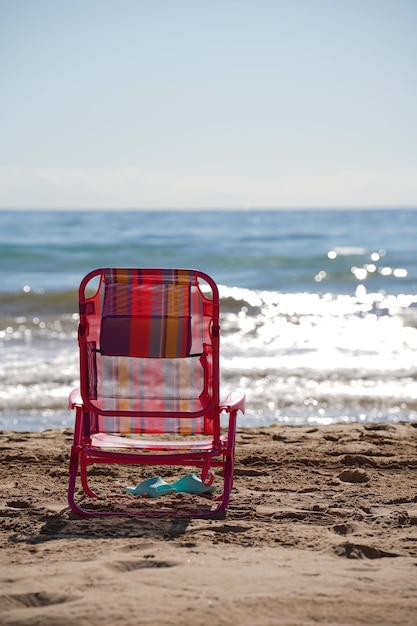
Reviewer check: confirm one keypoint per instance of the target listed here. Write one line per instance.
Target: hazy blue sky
(216, 103)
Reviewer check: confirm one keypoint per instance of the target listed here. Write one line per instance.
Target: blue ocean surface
(319, 307)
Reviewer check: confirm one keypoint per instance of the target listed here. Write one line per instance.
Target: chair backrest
(149, 350)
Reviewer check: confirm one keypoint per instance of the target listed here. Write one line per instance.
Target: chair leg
(73, 474)
(228, 478)
(84, 479)
(207, 475)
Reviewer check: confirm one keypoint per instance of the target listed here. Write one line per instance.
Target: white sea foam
(301, 357)
(314, 356)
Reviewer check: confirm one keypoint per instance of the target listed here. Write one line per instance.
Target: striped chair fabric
(149, 350)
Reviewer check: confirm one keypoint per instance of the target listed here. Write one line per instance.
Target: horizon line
(220, 209)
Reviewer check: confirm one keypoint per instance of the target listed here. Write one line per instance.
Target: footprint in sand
(360, 551)
(354, 476)
(145, 563)
(32, 600)
(18, 504)
(345, 529)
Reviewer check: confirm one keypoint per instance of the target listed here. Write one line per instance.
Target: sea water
(318, 308)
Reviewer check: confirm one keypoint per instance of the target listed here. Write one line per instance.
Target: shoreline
(64, 420)
(322, 527)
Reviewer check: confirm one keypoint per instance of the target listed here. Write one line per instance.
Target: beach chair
(148, 402)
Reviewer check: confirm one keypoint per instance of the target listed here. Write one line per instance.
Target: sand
(322, 528)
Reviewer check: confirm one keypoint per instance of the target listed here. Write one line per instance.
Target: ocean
(319, 307)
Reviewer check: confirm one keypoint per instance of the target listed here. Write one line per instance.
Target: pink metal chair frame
(149, 365)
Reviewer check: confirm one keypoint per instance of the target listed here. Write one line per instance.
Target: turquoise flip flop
(152, 487)
(190, 483)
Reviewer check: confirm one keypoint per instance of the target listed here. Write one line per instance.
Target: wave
(299, 357)
(43, 309)
(27, 302)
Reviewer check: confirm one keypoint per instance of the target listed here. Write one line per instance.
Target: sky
(192, 104)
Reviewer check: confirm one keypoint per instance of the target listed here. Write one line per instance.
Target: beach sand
(322, 528)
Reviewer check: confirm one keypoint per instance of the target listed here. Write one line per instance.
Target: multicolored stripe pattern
(149, 350)
(146, 314)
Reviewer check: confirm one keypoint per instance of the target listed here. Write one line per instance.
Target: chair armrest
(75, 399)
(235, 401)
